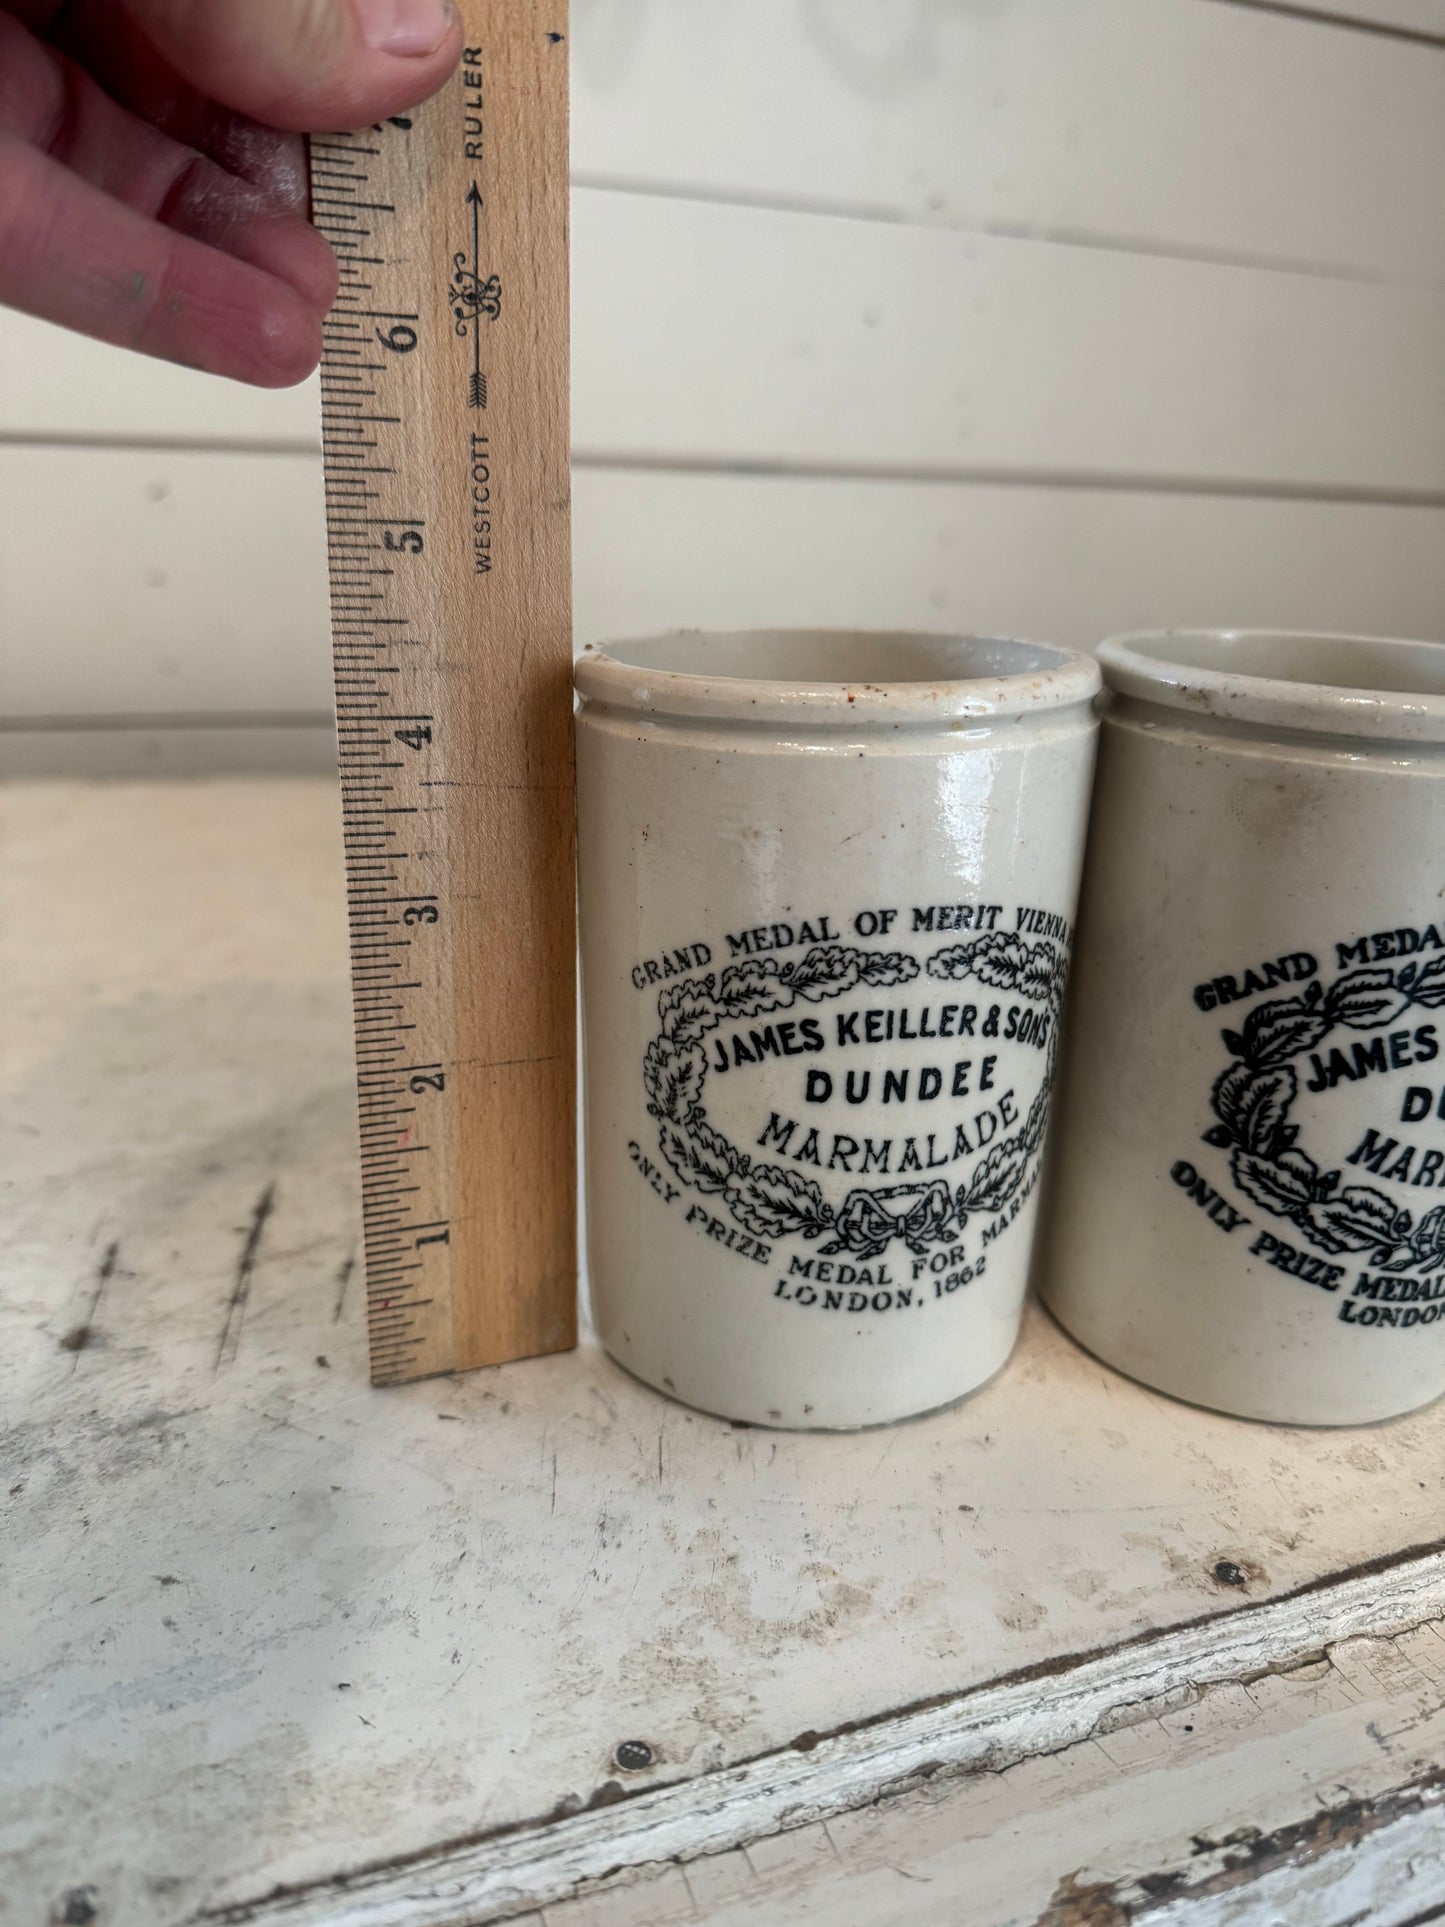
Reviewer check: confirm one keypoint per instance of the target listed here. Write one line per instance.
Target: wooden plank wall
(1050, 317)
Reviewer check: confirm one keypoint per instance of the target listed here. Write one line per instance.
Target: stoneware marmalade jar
(827, 888)
(1247, 1203)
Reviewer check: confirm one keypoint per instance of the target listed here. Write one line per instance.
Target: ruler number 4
(414, 738)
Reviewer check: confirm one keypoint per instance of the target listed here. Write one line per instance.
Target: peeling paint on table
(497, 1637)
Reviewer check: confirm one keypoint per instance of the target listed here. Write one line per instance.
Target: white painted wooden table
(282, 1650)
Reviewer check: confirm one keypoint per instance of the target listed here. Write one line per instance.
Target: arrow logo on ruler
(474, 299)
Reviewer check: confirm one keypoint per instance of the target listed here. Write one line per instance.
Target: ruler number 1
(433, 1238)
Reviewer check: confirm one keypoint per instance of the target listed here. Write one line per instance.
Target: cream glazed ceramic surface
(827, 891)
(1245, 1202)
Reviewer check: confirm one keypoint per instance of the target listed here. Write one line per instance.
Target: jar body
(1244, 1203)
(821, 977)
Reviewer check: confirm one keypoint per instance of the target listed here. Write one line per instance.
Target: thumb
(306, 64)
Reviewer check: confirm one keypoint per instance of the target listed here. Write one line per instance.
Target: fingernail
(404, 26)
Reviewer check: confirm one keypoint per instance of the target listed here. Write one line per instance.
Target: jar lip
(830, 677)
(1377, 688)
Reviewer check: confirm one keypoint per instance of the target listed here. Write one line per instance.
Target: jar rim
(828, 677)
(1375, 688)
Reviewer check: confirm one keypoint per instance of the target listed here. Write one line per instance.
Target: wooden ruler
(444, 417)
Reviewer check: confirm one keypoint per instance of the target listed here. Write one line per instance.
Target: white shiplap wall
(1053, 317)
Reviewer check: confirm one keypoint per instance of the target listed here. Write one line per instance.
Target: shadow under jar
(827, 889)
(1245, 1199)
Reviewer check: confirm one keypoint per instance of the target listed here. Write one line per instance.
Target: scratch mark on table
(282, 1423)
(78, 1337)
(245, 1273)
(604, 1399)
(343, 1279)
(592, 1572)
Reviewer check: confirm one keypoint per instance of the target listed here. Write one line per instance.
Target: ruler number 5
(409, 541)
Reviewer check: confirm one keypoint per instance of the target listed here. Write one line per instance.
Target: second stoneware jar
(827, 891)
(1247, 1202)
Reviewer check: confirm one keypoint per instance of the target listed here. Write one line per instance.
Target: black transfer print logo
(1337, 1037)
(789, 1166)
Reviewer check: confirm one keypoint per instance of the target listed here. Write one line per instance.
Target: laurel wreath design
(1252, 1100)
(772, 1202)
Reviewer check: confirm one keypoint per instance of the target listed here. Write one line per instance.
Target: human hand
(152, 169)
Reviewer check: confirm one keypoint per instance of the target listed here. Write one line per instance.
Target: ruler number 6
(399, 339)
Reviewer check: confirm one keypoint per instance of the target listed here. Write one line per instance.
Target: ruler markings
(444, 442)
